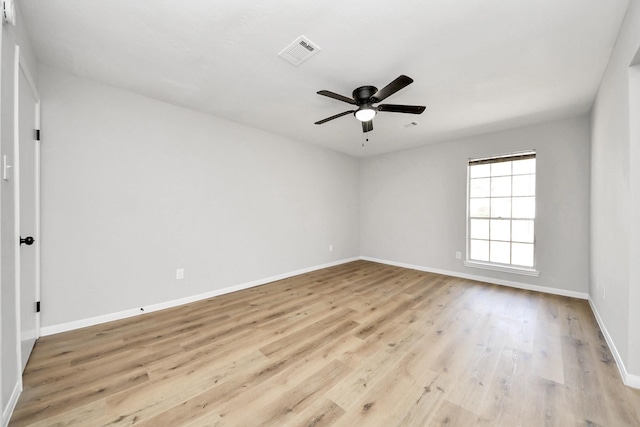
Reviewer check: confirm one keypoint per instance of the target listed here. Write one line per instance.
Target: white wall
(10, 369)
(615, 200)
(413, 203)
(133, 188)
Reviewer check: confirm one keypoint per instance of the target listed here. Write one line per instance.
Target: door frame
(21, 67)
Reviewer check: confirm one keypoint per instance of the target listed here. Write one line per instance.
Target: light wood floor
(361, 344)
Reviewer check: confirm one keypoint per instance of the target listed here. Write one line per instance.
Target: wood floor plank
(449, 414)
(70, 398)
(85, 415)
(297, 399)
(356, 344)
(478, 368)
(175, 389)
(73, 377)
(322, 413)
(420, 402)
(292, 339)
(503, 391)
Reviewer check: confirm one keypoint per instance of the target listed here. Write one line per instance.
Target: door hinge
(36, 134)
(38, 307)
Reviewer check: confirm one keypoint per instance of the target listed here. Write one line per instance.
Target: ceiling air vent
(299, 51)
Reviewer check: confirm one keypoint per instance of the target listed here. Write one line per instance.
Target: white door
(28, 163)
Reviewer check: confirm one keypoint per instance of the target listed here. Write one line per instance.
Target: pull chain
(366, 139)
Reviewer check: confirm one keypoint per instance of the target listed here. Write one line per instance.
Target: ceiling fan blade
(393, 108)
(367, 126)
(399, 83)
(334, 117)
(337, 96)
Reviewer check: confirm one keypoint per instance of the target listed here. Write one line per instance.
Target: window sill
(505, 269)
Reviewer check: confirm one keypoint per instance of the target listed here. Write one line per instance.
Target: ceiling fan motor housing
(363, 94)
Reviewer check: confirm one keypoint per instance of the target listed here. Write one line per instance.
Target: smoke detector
(299, 51)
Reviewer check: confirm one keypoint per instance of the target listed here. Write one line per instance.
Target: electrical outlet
(330, 248)
(458, 255)
(180, 273)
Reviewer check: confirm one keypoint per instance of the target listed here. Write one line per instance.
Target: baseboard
(628, 379)
(83, 323)
(509, 283)
(11, 405)
(633, 381)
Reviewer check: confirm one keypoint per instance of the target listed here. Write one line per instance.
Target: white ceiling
(478, 66)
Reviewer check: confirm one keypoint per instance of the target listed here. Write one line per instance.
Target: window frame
(495, 266)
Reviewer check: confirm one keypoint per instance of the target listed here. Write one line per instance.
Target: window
(501, 212)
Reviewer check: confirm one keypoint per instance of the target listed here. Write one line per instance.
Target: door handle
(27, 240)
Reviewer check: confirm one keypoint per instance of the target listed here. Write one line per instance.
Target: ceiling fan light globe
(365, 114)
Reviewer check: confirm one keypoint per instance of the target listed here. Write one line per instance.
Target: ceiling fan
(365, 96)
